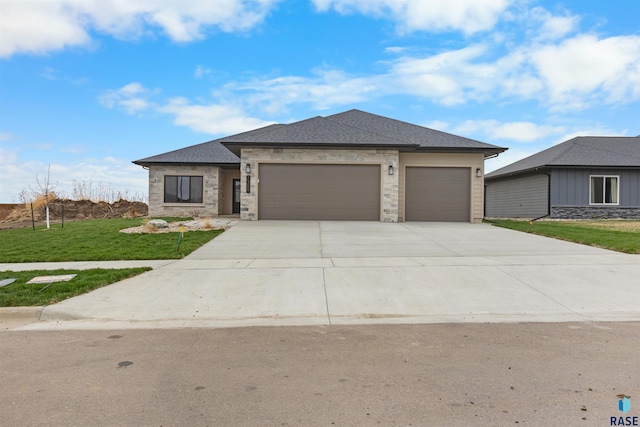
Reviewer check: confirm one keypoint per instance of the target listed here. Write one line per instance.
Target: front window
(183, 189)
(604, 190)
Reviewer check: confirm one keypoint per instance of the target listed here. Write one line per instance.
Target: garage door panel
(319, 192)
(437, 194)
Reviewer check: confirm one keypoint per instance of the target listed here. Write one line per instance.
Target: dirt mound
(78, 210)
(6, 209)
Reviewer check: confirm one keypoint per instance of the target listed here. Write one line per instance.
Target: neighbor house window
(604, 190)
(183, 189)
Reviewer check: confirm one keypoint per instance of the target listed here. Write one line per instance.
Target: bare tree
(45, 189)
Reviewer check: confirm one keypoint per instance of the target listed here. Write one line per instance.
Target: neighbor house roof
(587, 151)
(352, 128)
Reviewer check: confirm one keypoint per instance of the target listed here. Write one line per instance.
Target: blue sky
(87, 86)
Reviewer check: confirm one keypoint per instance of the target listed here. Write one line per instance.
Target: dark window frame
(186, 189)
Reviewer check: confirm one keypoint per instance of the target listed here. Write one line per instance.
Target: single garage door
(319, 192)
(437, 194)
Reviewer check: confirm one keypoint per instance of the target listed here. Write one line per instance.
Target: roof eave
(552, 166)
(488, 151)
(235, 147)
(165, 163)
(541, 168)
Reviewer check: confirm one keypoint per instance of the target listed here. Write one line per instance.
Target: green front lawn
(96, 240)
(19, 293)
(621, 236)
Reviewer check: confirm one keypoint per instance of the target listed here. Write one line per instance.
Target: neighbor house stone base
(595, 212)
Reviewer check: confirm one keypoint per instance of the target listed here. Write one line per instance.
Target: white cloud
(508, 131)
(49, 73)
(449, 78)
(546, 26)
(214, 118)
(43, 26)
(132, 98)
(39, 27)
(326, 88)
(586, 69)
(5, 136)
(467, 16)
(211, 119)
(201, 70)
(395, 49)
(569, 74)
(556, 68)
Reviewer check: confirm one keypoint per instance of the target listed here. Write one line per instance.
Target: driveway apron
(327, 273)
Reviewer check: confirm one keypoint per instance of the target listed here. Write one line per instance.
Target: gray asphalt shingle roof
(407, 132)
(205, 153)
(589, 151)
(351, 128)
(316, 130)
(211, 152)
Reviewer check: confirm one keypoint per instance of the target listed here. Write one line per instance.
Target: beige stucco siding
(225, 198)
(256, 156)
(466, 160)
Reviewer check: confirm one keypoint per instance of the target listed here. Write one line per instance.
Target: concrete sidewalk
(328, 273)
(13, 317)
(82, 265)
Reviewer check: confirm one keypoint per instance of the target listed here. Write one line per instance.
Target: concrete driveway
(321, 273)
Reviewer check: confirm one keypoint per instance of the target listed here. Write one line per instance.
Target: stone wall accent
(255, 156)
(595, 212)
(210, 197)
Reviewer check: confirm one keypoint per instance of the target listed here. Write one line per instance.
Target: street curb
(16, 313)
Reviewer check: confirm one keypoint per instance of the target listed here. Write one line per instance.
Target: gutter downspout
(548, 198)
(484, 201)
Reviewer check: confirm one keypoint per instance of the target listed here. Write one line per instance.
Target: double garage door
(319, 192)
(352, 192)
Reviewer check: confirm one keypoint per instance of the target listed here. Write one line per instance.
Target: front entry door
(236, 196)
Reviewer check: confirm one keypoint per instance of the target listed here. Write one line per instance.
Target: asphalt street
(539, 374)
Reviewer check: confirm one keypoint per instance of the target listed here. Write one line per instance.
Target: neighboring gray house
(347, 166)
(583, 178)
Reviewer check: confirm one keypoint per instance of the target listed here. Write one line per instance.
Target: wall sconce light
(478, 172)
(391, 171)
(247, 168)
